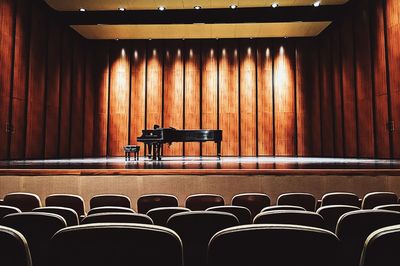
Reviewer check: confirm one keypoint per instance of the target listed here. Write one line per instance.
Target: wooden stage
(183, 176)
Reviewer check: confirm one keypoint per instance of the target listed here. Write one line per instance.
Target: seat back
(115, 200)
(196, 229)
(371, 200)
(332, 213)
(117, 218)
(241, 213)
(389, 207)
(38, 229)
(283, 245)
(74, 202)
(201, 202)
(6, 210)
(14, 248)
(305, 200)
(116, 244)
(151, 201)
(255, 202)
(161, 215)
(340, 198)
(304, 218)
(354, 227)
(70, 216)
(110, 209)
(283, 208)
(26, 202)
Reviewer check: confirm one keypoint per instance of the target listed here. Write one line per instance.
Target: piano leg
(219, 150)
(159, 151)
(155, 151)
(149, 151)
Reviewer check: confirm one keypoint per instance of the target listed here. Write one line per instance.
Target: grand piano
(155, 138)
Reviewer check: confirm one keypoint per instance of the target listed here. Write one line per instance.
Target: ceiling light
(161, 8)
(317, 4)
(197, 7)
(275, 5)
(233, 6)
(82, 9)
(121, 8)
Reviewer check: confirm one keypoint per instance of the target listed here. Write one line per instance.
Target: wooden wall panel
(88, 121)
(284, 98)
(228, 97)
(192, 93)
(119, 98)
(36, 87)
(173, 92)
(265, 100)
(209, 93)
(52, 91)
(248, 98)
(6, 55)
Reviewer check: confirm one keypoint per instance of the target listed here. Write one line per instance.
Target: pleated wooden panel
(21, 57)
(173, 92)
(119, 98)
(6, 44)
(284, 98)
(52, 91)
(138, 91)
(265, 100)
(364, 88)
(209, 93)
(228, 96)
(248, 98)
(88, 119)
(36, 87)
(192, 93)
(382, 134)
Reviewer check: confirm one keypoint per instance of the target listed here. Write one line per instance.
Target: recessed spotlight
(233, 6)
(82, 9)
(121, 8)
(274, 5)
(117, 40)
(317, 4)
(161, 8)
(197, 7)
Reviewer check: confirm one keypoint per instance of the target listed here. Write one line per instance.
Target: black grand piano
(155, 138)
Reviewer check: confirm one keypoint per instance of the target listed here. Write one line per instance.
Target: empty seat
(201, 202)
(382, 247)
(305, 218)
(151, 201)
(283, 245)
(354, 227)
(14, 248)
(110, 200)
(305, 200)
(70, 216)
(6, 210)
(161, 215)
(389, 207)
(371, 200)
(283, 208)
(110, 209)
(196, 229)
(74, 202)
(38, 229)
(332, 213)
(117, 218)
(242, 213)
(255, 202)
(340, 198)
(26, 202)
(116, 244)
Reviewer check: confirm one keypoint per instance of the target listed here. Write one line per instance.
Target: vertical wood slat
(89, 102)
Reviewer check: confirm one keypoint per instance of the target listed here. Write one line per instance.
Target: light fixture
(82, 9)
(317, 4)
(161, 8)
(233, 6)
(197, 7)
(117, 39)
(121, 8)
(274, 5)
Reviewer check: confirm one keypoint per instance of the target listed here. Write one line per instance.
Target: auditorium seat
(340, 198)
(354, 227)
(371, 200)
(243, 214)
(38, 229)
(26, 202)
(332, 213)
(70, 216)
(110, 209)
(255, 202)
(116, 244)
(114, 200)
(283, 208)
(14, 248)
(305, 218)
(74, 202)
(117, 218)
(151, 201)
(305, 200)
(196, 229)
(382, 247)
(389, 207)
(161, 215)
(6, 210)
(201, 202)
(283, 245)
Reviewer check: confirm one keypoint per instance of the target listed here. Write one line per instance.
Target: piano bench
(135, 149)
